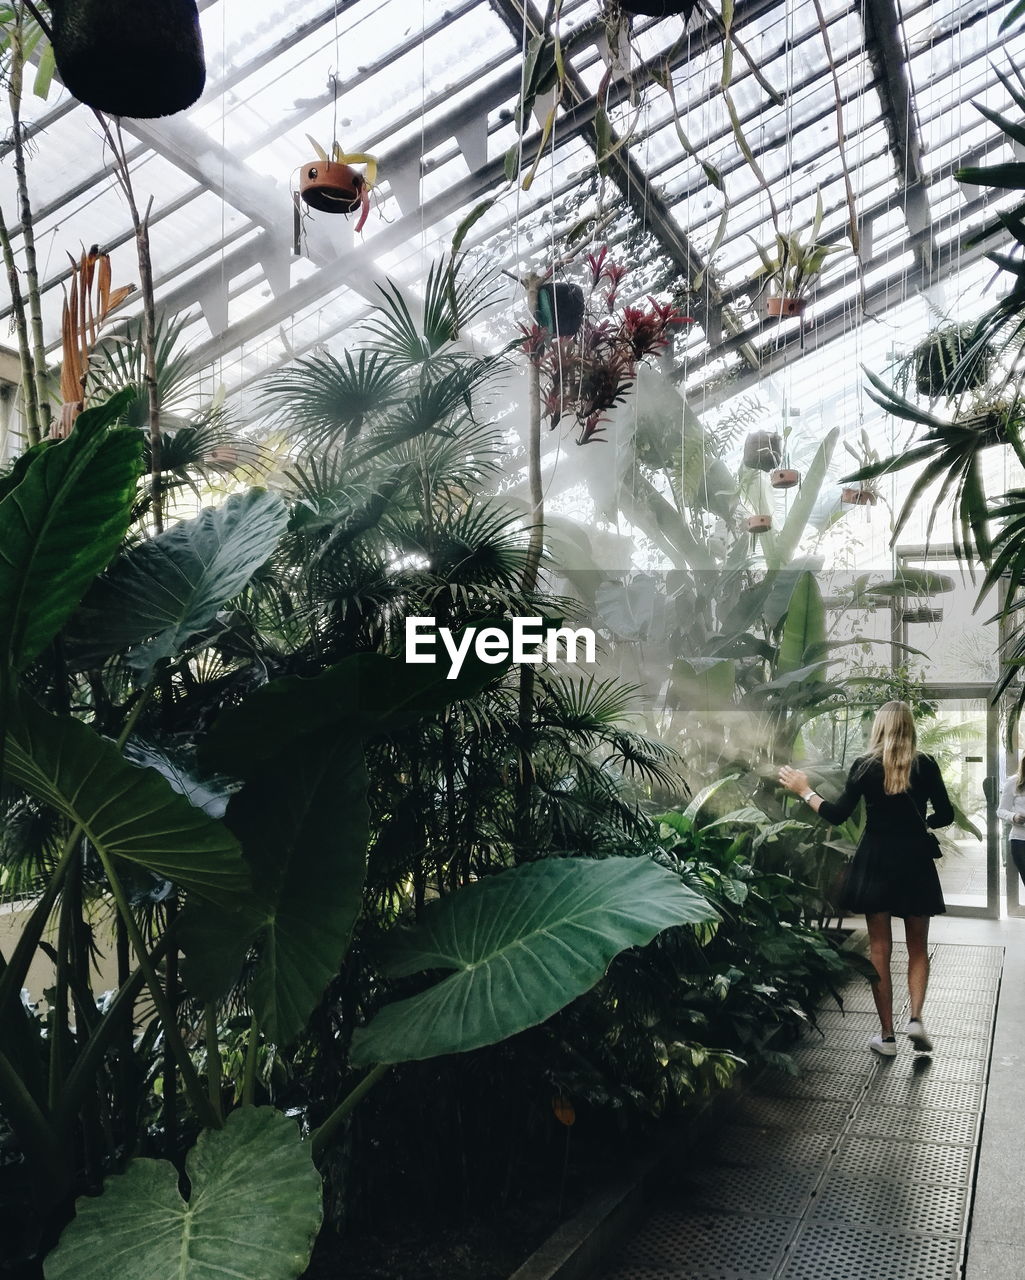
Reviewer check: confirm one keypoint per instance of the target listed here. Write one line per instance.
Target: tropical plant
(794, 264)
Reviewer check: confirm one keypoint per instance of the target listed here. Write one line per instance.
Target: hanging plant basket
(858, 497)
(331, 188)
(784, 478)
(938, 358)
(759, 524)
(128, 58)
(923, 614)
(763, 450)
(659, 8)
(779, 305)
(560, 308)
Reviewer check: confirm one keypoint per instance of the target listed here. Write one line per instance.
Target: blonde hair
(892, 741)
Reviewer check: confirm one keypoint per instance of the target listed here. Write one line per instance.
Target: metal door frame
(982, 692)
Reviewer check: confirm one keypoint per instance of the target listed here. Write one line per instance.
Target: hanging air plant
(794, 268)
(763, 450)
(330, 184)
(129, 58)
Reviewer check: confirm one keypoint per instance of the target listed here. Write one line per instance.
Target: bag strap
(918, 814)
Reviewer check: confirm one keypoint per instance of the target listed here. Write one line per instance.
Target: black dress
(893, 869)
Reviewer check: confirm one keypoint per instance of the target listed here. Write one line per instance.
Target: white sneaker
(886, 1046)
(916, 1034)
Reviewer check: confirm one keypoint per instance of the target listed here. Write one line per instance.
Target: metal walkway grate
(858, 1169)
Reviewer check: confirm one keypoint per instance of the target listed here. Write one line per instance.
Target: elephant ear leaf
(304, 824)
(254, 1209)
(64, 510)
(125, 812)
(521, 945)
(164, 591)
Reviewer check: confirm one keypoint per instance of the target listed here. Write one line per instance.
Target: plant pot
(779, 305)
(858, 498)
(763, 450)
(938, 357)
(759, 524)
(130, 58)
(330, 187)
(784, 478)
(923, 614)
(560, 309)
(659, 8)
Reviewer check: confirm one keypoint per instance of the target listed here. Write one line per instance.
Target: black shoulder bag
(931, 838)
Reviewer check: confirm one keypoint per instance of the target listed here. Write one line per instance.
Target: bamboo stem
(28, 381)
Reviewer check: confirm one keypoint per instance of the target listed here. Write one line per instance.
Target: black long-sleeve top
(892, 813)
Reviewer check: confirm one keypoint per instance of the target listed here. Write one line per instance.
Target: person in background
(893, 872)
(1012, 809)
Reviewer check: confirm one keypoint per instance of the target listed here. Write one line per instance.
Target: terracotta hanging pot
(779, 305)
(139, 58)
(763, 450)
(784, 478)
(858, 498)
(759, 524)
(330, 187)
(560, 308)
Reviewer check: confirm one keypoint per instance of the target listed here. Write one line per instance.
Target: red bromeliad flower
(589, 374)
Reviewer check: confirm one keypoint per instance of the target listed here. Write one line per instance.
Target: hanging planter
(763, 450)
(659, 8)
(330, 184)
(129, 58)
(781, 305)
(938, 362)
(759, 524)
(857, 497)
(784, 478)
(560, 308)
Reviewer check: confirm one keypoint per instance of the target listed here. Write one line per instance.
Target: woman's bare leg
(916, 931)
(880, 939)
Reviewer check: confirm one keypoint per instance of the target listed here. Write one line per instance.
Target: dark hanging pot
(937, 360)
(560, 309)
(659, 8)
(139, 58)
(763, 450)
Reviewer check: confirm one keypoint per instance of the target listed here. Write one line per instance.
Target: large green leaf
(163, 591)
(364, 695)
(126, 812)
(254, 1210)
(523, 944)
(804, 628)
(64, 510)
(779, 549)
(303, 821)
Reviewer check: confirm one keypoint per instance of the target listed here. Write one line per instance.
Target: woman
(892, 872)
(1012, 809)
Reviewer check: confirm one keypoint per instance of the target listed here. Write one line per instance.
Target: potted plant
(330, 184)
(127, 58)
(560, 308)
(759, 524)
(944, 363)
(858, 496)
(794, 268)
(763, 451)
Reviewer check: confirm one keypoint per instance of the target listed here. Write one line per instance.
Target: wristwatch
(807, 795)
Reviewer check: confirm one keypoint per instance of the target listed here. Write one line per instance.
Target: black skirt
(892, 874)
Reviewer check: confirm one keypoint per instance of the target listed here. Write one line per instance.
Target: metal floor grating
(858, 1168)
